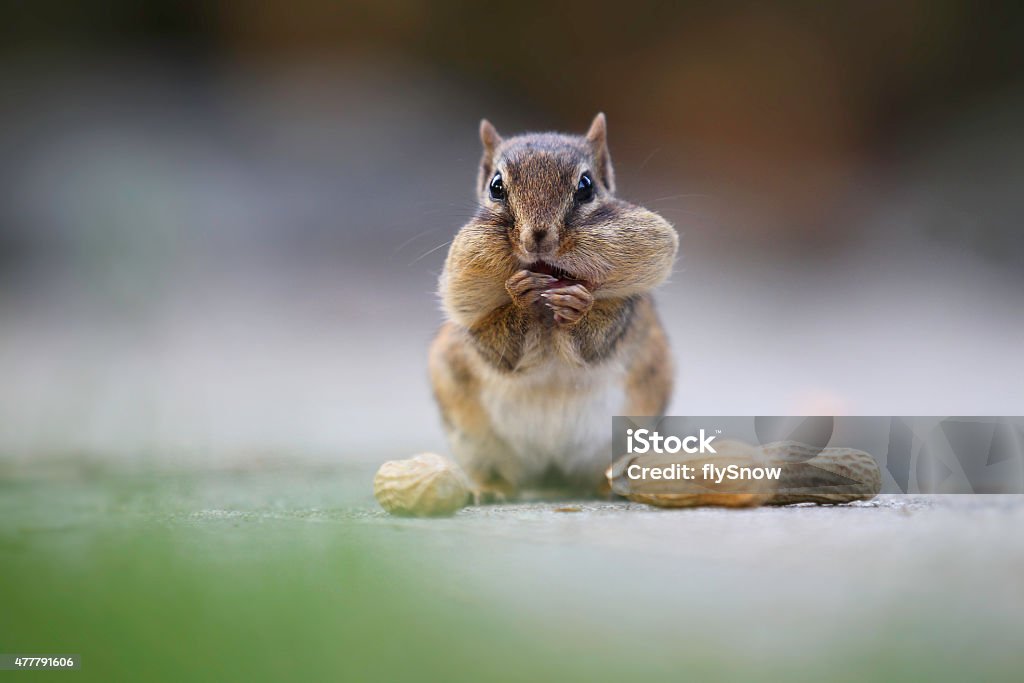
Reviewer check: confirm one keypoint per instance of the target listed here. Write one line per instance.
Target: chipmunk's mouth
(564, 278)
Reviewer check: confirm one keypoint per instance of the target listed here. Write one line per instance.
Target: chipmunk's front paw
(525, 287)
(569, 304)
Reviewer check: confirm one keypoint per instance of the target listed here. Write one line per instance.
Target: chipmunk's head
(544, 187)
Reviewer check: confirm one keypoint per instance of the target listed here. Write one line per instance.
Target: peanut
(426, 485)
(828, 475)
(695, 492)
(808, 475)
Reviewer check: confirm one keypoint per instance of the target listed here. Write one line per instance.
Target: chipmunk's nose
(537, 241)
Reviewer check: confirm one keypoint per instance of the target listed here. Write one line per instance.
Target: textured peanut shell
(829, 475)
(696, 492)
(809, 475)
(425, 485)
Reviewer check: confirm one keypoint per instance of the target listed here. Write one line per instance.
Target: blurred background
(221, 226)
(221, 223)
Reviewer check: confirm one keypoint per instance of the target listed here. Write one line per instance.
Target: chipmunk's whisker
(412, 239)
(428, 253)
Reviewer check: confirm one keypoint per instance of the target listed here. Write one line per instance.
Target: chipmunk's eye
(585, 188)
(497, 188)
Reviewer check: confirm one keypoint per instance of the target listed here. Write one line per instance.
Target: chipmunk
(551, 328)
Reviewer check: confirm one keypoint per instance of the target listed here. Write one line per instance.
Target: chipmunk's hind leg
(587, 479)
(494, 492)
(492, 467)
(489, 464)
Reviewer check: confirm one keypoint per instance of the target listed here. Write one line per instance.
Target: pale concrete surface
(938, 574)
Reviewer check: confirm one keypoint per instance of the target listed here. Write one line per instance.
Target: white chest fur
(557, 415)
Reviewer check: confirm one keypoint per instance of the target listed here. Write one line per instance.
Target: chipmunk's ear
(489, 136)
(490, 139)
(597, 137)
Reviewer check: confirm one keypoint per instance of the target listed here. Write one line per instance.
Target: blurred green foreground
(281, 574)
